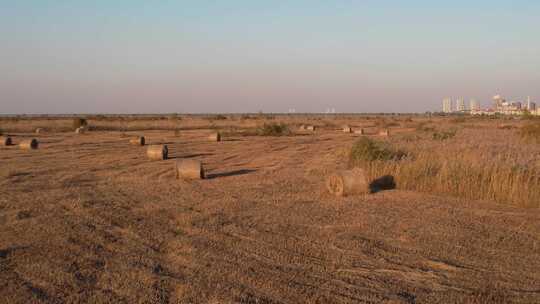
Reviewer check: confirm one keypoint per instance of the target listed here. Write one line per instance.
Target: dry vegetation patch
(92, 219)
(444, 135)
(495, 168)
(274, 129)
(531, 132)
(366, 150)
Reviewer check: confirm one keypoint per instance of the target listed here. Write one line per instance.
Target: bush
(531, 132)
(219, 117)
(79, 122)
(366, 149)
(274, 129)
(444, 135)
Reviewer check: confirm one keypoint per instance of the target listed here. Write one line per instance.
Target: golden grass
(531, 132)
(485, 164)
(466, 157)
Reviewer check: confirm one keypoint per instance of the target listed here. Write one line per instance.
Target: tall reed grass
(480, 164)
(531, 132)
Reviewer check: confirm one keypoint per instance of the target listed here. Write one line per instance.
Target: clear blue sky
(134, 56)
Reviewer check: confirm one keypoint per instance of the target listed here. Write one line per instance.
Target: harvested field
(91, 219)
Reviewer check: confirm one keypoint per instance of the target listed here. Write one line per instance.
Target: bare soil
(88, 218)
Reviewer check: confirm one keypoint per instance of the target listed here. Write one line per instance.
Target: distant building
(498, 101)
(460, 105)
(500, 106)
(474, 106)
(447, 105)
(531, 106)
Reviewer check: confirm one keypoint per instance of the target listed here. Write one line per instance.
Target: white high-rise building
(498, 101)
(460, 105)
(531, 106)
(474, 105)
(447, 105)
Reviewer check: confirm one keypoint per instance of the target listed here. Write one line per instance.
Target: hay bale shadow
(230, 173)
(232, 139)
(382, 183)
(179, 156)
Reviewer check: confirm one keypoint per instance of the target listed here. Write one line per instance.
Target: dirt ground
(88, 218)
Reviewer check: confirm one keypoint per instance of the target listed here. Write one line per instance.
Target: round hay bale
(361, 132)
(310, 128)
(139, 141)
(348, 182)
(80, 130)
(189, 169)
(347, 129)
(384, 132)
(157, 152)
(5, 141)
(30, 144)
(215, 136)
(39, 130)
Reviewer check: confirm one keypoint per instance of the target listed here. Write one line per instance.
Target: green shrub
(79, 122)
(444, 135)
(274, 129)
(366, 149)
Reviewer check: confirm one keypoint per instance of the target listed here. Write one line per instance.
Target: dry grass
(531, 132)
(496, 168)
(91, 219)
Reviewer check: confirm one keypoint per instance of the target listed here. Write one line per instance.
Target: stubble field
(89, 218)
